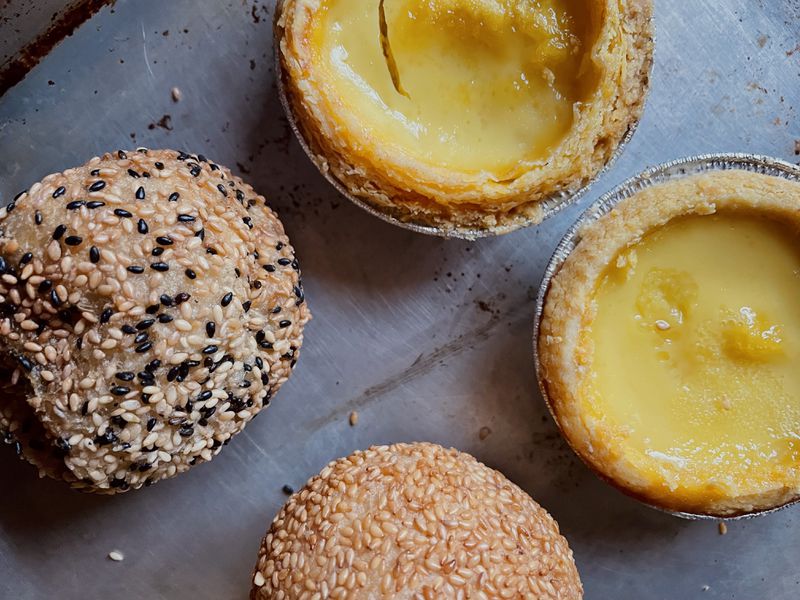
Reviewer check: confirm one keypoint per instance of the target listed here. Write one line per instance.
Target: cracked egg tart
(463, 117)
(669, 341)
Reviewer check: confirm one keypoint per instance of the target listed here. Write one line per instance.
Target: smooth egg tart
(463, 114)
(669, 344)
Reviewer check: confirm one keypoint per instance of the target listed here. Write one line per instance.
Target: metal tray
(427, 339)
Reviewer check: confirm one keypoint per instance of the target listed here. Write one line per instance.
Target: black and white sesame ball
(150, 306)
(413, 521)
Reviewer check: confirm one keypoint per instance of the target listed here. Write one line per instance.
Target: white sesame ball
(413, 521)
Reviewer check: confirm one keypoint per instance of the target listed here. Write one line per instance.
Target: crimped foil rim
(550, 205)
(675, 169)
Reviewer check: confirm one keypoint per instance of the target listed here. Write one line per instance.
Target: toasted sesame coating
(150, 306)
(413, 521)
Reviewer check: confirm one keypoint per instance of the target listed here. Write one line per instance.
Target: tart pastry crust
(409, 190)
(566, 356)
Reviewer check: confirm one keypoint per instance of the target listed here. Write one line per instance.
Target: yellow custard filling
(695, 347)
(484, 85)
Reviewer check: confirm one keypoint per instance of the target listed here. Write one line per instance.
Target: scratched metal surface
(427, 339)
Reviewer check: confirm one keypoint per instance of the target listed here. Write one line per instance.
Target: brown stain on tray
(64, 24)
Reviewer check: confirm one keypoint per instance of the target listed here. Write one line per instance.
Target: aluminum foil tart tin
(550, 205)
(654, 175)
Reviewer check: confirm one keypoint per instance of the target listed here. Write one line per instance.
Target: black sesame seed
(143, 347)
(94, 254)
(222, 190)
(140, 193)
(26, 364)
(157, 251)
(173, 197)
(120, 390)
(109, 437)
(164, 318)
(95, 204)
(166, 300)
(164, 240)
(239, 195)
(151, 423)
(153, 365)
(210, 349)
(73, 240)
(122, 213)
(133, 174)
(288, 490)
(211, 327)
(172, 374)
(246, 305)
(26, 258)
(184, 218)
(298, 291)
(260, 336)
(45, 285)
(190, 274)
(212, 251)
(75, 204)
(284, 324)
(259, 362)
(295, 264)
(11, 207)
(140, 337)
(19, 195)
(237, 271)
(142, 227)
(257, 284)
(159, 165)
(269, 268)
(129, 329)
(195, 170)
(121, 154)
(159, 266)
(205, 395)
(276, 310)
(94, 172)
(182, 297)
(226, 299)
(182, 155)
(124, 376)
(279, 246)
(37, 217)
(248, 221)
(144, 324)
(284, 261)
(59, 231)
(135, 269)
(186, 431)
(105, 316)
(201, 233)
(97, 186)
(152, 309)
(60, 191)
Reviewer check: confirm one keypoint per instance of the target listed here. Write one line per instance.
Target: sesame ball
(150, 306)
(413, 521)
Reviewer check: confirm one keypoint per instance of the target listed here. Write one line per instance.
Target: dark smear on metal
(387, 52)
(74, 15)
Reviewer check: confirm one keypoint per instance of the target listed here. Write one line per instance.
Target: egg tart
(669, 343)
(463, 117)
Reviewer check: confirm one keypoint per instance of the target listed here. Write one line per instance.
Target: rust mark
(73, 16)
